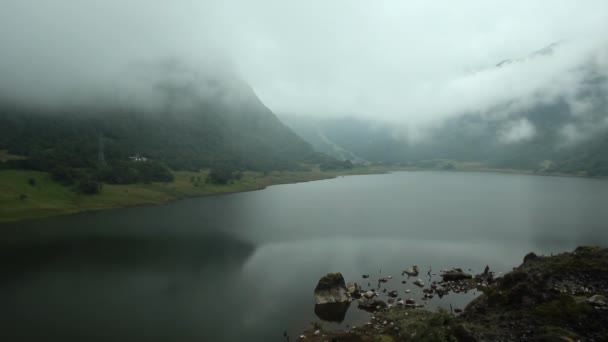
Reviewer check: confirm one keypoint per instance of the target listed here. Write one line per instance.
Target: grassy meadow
(33, 194)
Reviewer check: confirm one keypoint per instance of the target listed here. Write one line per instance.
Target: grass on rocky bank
(547, 298)
(32, 194)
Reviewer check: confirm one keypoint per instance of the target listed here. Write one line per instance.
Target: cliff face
(555, 298)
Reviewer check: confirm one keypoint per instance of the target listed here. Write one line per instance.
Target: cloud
(411, 63)
(517, 131)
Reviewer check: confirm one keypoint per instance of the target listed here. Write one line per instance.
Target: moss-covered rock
(331, 289)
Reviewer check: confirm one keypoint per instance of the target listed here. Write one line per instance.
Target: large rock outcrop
(332, 289)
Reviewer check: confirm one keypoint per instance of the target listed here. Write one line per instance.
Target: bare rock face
(332, 289)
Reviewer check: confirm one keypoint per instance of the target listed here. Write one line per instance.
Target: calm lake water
(244, 266)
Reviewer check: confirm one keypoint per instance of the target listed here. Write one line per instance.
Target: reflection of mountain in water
(126, 253)
(144, 288)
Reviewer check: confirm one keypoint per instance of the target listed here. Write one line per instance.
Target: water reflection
(244, 266)
(332, 312)
(119, 288)
(124, 253)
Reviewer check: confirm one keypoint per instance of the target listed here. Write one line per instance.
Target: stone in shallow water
(331, 289)
(354, 290)
(412, 271)
(371, 305)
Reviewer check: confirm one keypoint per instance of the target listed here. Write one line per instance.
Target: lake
(243, 266)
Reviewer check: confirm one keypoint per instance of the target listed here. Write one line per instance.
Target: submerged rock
(331, 289)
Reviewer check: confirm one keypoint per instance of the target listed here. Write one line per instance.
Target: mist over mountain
(171, 113)
(566, 132)
(511, 84)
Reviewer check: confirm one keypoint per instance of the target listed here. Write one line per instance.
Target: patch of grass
(564, 308)
(422, 325)
(44, 198)
(21, 199)
(551, 333)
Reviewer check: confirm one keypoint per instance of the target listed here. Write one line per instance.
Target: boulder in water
(412, 271)
(331, 289)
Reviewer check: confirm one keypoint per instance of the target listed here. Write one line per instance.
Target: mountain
(172, 116)
(547, 137)
(568, 134)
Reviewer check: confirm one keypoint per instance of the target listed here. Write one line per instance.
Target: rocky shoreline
(546, 298)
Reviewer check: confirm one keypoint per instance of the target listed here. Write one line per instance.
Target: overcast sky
(403, 61)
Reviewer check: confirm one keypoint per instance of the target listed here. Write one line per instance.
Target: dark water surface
(243, 266)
